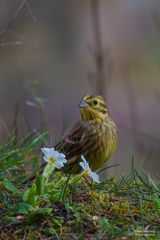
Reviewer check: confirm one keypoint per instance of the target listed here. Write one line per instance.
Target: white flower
(87, 169)
(54, 157)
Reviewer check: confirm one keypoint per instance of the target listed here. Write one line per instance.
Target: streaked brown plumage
(94, 136)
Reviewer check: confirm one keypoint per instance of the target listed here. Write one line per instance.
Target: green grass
(72, 207)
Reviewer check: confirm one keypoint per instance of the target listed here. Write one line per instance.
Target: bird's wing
(71, 145)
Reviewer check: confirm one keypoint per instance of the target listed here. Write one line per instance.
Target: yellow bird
(94, 136)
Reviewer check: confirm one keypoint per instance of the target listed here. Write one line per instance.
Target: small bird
(94, 136)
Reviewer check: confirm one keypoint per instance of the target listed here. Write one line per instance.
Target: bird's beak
(83, 104)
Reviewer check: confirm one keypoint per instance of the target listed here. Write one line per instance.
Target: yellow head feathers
(93, 107)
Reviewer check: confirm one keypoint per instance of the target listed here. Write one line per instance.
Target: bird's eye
(95, 102)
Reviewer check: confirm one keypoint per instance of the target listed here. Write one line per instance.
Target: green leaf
(44, 211)
(53, 194)
(9, 186)
(105, 227)
(30, 195)
(75, 179)
(156, 201)
(39, 185)
(21, 208)
(48, 170)
(61, 182)
(9, 219)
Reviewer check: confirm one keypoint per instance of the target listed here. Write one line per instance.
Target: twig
(30, 12)
(4, 44)
(4, 32)
(114, 165)
(99, 58)
(12, 20)
(24, 39)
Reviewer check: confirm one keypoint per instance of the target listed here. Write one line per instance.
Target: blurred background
(54, 52)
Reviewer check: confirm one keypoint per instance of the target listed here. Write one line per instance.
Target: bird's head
(93, 107)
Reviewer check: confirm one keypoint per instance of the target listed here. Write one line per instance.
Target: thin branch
(114, 165)
(24, 39)
(4, 44)
(99, 58)
(12, 20)
(30, 12)
(4, 32)
(18, 9)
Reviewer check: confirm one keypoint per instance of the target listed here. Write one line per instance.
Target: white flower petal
(82, 165)
(84, 160)
(59, 158)
(51, 152)
(64, 160)
(60, 163)
(56, 154)
(45, 159)
(47, 151)
(85, 166)
(61, 155)
(95, 177)
(44, 150)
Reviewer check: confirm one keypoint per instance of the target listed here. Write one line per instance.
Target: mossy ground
(118, 208)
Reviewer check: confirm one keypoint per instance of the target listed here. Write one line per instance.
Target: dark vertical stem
(99, 58)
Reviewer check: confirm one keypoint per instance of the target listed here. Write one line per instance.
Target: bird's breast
(101, 144)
